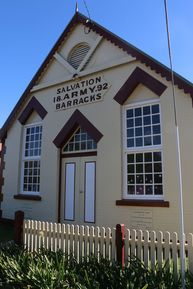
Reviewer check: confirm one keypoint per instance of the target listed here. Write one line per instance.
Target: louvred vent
(77, 54)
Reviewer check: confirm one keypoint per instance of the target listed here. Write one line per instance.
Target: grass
(6, 232)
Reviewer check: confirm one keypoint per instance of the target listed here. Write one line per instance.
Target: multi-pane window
(80, 141)
(143, 126)
(33, 139)
(143, 152)
(31, 159)
(31, 178)
(144, 174)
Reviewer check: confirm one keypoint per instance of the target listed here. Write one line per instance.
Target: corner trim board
(1, 197)
(139, 76)
(77, 119)
(2, 167)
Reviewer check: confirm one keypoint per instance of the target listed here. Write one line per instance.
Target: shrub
(48, 270)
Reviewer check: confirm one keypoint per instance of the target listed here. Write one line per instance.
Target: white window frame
(143, 149)
(29, 158)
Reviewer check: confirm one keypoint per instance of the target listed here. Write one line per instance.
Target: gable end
(164, 71)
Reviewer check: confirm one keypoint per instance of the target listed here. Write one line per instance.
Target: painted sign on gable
(80, 92)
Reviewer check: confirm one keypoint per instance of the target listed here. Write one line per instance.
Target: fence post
(120, 243)
(18, 227)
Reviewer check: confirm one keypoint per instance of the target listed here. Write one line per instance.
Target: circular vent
(77, 54)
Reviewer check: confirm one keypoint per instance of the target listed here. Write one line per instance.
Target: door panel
(90, 184)
(70, 172)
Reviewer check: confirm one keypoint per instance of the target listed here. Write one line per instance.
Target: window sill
(27, 197)
(143, 203)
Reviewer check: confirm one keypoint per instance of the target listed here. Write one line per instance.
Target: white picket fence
(79, 241)
(152, 248)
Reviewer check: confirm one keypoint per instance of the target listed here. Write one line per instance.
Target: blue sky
(30, 28)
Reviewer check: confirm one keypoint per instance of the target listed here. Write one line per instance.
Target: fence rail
(152, 248)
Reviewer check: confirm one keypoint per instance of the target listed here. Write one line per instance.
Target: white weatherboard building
(92, 139)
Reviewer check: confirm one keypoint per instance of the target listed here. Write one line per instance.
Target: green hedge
(49, 270)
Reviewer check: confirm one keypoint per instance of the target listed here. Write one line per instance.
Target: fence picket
(24, 234)
(57, 244)
(65, 238)
(153, 248)
(71, 239)
(190, 251)
(46, 246)
(108, 244)
(167, 247)
(54, 237)
(28, 235)
(76, 242)
(113, 244)
(139, 253)
(38, 235)
(31, 235)
(81, 247)
(59, 236)
(50, 236)
(34, 235)
(129, 243)
(86, 241)
(68, 239)
(146, 247)
(127, 234)
(97, 243)
(160, 249)
(133, 243)
(91, 241)
(102, 242)
(175, 252)
(42, 236)
(62, 237)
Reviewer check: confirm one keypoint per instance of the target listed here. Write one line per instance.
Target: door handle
(81, 192)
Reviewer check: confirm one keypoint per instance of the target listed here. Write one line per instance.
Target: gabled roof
(164, 71)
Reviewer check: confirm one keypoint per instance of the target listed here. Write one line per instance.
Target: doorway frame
(76, 120)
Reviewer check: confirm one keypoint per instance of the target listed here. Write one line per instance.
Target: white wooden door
(78, 190)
